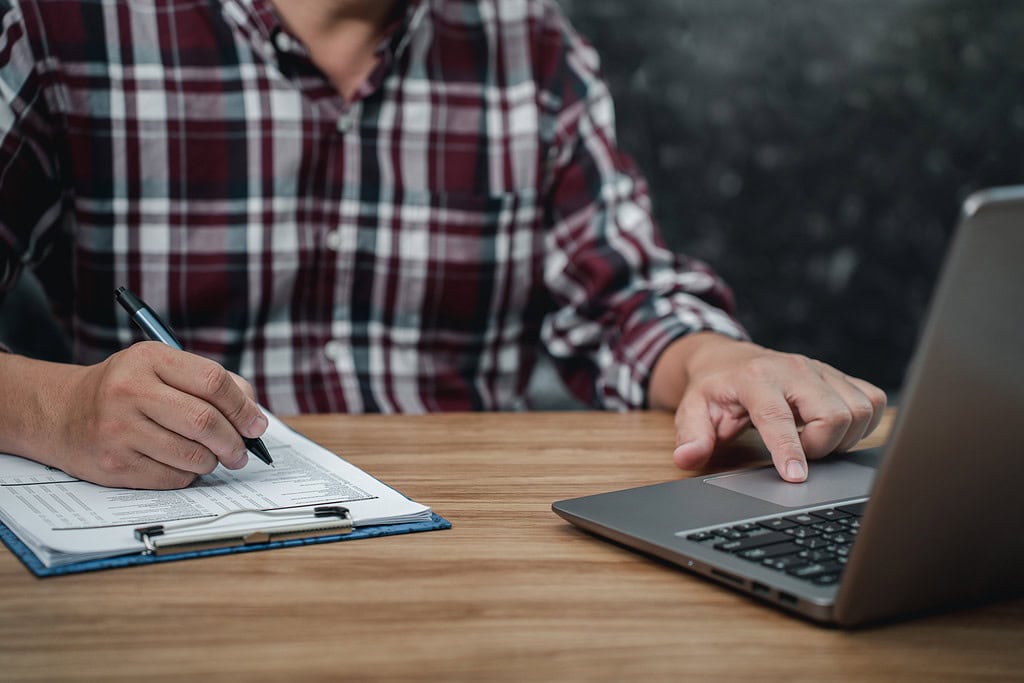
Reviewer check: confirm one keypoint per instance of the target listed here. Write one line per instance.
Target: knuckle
(770, 366)
(775, 413)
(215, 379)
(197, 457)
(760, 368)
(878, 398)
(203, 419)
(862, 411)
(113, 462)
(146, 352)
(788, 446)
(837, 418)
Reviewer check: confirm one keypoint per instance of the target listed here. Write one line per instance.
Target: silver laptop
(932, 521)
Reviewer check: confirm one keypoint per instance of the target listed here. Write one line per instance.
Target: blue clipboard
(33, 564)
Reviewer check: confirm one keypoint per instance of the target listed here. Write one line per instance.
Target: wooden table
(510, 592)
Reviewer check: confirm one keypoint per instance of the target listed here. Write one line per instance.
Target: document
(65, 520)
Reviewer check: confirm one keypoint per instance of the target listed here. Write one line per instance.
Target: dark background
(816, 152)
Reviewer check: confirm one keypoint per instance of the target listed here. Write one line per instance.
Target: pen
(148, 321)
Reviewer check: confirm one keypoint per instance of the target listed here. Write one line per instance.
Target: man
(360, 205)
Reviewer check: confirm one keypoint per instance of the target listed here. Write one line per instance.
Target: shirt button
(333, 240)
(282, 41)
(333, 349)
(346, 122)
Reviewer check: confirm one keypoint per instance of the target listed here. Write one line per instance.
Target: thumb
(695, 435)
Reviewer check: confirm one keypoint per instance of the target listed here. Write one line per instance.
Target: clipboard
(332, 525)
(236, 511)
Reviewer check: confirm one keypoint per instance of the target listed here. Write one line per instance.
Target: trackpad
(828, 481)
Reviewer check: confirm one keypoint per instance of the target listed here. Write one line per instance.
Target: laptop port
(788, 599)
(760, 588)
(728, 577)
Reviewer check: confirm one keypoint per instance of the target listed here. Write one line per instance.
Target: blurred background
(817, 152)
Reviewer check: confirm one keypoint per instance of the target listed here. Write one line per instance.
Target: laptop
(932, 521)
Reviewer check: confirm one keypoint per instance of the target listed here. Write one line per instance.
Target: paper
(65, 520)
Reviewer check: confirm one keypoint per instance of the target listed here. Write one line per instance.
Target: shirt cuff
(625, 368)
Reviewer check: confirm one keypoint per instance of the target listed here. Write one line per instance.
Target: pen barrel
(154, 329)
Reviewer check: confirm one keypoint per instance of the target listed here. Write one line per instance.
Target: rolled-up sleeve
(621, 296)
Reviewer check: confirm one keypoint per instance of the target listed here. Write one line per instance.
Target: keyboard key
(783, 563)
(739, 545)
(745, 527)
(838, 539)
(804, 518)
(802, 531)
(826, 579)
(777, 524)
(811, 571)
(816, 555)
(700, 536)
(812, 543)
(729, 534)
(856, 509)
(769, 551)
(831, 514)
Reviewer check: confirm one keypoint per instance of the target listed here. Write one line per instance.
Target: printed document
(62, 519)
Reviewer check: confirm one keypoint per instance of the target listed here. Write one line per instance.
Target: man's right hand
(149, 416)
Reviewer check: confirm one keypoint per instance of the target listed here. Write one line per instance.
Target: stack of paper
(63, 520)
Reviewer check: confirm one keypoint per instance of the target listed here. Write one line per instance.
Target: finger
(877, 398)
(859, 405)
(825, 416)
(173, 449)
(695, 433)
(213, 384)
(195, 420)
(136, 471)
(771, 415)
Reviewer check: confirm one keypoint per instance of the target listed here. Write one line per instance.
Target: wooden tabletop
(511, 592)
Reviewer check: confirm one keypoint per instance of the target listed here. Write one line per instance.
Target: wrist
(680, 361)
(34, 399)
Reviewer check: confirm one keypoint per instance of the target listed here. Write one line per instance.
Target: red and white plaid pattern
(410, 250)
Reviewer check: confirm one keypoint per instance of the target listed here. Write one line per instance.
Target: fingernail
(682, 455)
(258, 425)
(795, 470)
(241, 460)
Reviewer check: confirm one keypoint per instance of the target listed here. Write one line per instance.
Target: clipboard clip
(324, 520)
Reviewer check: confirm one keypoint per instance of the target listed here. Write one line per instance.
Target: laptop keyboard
(810, 545)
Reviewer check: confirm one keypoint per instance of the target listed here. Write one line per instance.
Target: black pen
(148, 321)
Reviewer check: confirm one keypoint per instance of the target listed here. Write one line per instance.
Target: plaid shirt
(409, 250)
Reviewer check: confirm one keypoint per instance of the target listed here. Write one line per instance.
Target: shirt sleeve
(621, 296)
(31, 195)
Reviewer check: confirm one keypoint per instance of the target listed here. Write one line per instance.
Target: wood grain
(511, 592)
